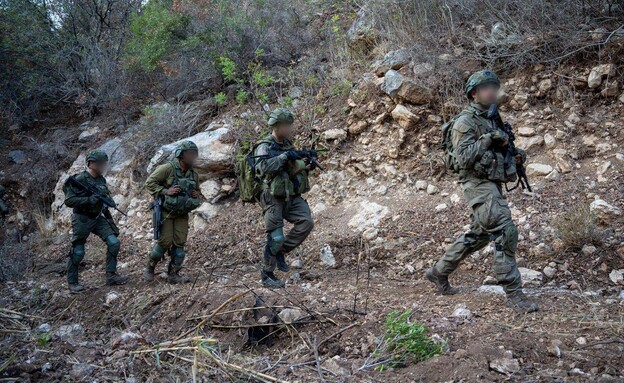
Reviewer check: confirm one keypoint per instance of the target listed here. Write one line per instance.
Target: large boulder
(397, 86)
(369, 216)
(362, 31)
(393, 60)
(215, 156)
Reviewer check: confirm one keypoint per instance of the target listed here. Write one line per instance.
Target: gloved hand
(499, 137)
(293, 155)
(93, 200)
(521, 156)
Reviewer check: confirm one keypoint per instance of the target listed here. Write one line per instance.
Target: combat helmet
(96, 156)
(481, 77)
(281, 115)
(183, 147)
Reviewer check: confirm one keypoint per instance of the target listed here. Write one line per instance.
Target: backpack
(249, 184)
(446, 144)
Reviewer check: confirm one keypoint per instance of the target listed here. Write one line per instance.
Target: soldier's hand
(499, 137)
(194, 194)
(93, 200)
(175, 189)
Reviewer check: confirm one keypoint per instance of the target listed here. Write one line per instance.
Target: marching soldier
(176, 183)
(285, 179)
(92, 216)
(477, 144)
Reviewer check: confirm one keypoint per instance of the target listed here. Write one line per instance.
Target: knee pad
(177, 251)
(157, 253)
(78, 254)
(276, 240)
(510, 239)
(113, 244)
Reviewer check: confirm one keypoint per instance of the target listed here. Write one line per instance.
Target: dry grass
(578, 227)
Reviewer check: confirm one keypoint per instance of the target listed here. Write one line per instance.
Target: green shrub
(242, 96)
(154, 31)
(220, 98)
(228, 69)
(405, 342)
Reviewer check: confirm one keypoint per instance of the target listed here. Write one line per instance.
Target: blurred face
(99, 168)
(486, 94)
(283, 130)
(189, 157)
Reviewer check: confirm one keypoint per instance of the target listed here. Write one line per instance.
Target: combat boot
(271, 281)
(441, 282)
(113, 279)
(520, 303)
(148, 274)
(281, 263)
(174, 278)
(75, 288)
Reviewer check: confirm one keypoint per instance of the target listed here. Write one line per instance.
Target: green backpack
(249, 185)
(446, 144)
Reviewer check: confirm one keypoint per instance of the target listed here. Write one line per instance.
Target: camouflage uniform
(284, 181)
(472, 135)
(175, 224)
(91, 216)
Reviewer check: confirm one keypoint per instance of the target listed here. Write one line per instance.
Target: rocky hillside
(385, 210)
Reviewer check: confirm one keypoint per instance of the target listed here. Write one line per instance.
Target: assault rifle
(510, 150)
(156, 207)
(309, 156)
(91, 190)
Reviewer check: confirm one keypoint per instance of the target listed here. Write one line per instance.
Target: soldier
(285, 178)
(476, 141)
(177, 184)
(92, 216)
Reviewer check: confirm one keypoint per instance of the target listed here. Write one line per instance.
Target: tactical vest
(292, 180)
(98, 183)
(495, 165)
(181, 203)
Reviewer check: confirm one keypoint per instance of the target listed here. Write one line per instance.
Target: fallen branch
(215, 311)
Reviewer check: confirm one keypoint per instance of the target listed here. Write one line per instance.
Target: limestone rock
(397, 86)
(605, 212)
(617, 276)
(327, 256)
(550, 141)
(214, 155)
(404, 117)
(421, 185)
(594, 80)
(461, 311)
(335, 134)
(370, 214)
(441, 207)
(291, 315)
(529, 143)
(432, 189)
(538, 169)
(88, 133)
(393, 60)
(530, 277)
(549, 271)
(505, 366)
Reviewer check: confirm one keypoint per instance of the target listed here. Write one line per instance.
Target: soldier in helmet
(92, 216)
(477, 143)
(177, 184)
(285, 178)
